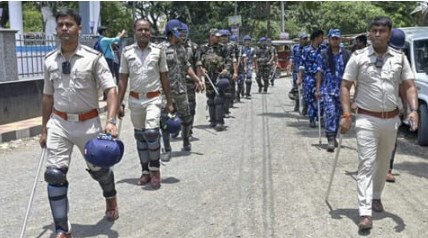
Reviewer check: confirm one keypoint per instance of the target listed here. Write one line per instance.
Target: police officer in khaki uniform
(144, 64)
(379, 71)
(72, 76)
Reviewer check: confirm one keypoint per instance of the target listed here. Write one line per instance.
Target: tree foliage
(258, 18)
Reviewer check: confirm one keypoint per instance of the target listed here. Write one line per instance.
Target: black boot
(186, 144)
(330, 145)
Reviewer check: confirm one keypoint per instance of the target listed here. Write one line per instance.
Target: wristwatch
(112, 121)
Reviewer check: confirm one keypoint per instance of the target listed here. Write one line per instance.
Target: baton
(212, 84)
(119, 128)
(30, 202)
(334, 167)
(299, 88)
(274, 71)
(319, 121)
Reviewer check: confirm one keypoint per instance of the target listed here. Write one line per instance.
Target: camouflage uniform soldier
(191, 49)
(213, 59)
(275, 60)
(263, 62)
(307, 70)
(232, 54)
(332, 62)
(296, 58)
(178, 66)
(248, 57)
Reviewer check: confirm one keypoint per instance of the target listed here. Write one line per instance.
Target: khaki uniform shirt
(76, 92)
(378, 88)
(143, 67)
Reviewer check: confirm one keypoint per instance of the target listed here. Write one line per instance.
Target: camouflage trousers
(263, 74)
(333, 111)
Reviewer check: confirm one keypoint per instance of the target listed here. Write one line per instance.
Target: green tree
(117, 16)
(32, 17)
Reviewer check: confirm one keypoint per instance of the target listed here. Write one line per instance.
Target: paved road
(265, 176)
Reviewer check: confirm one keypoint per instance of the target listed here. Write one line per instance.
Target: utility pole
(268, 18)
(236, 8)
(282, 17)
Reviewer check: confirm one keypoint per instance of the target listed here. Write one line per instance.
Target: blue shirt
(105, 44)
(249, 53)
(296, 56)
(331, 79)
(309, 60)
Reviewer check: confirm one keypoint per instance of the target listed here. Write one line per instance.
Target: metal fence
(31, 50)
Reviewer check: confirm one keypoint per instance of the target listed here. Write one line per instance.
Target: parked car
(416, 50)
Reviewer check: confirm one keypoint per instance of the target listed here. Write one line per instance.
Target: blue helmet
(224, 32)
(223, 84)
(262, 39)
(247, 37)
(234, 38)
(186, 30)
(175, 27)
(104, 150)
(173, 124)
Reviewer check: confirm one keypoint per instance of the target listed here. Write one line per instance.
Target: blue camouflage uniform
(296, 57)
(248, 52)
(330, 87)
(310, 68)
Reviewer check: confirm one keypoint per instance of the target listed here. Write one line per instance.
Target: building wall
(20, 100)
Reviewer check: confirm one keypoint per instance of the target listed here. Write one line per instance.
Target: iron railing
(31, 50)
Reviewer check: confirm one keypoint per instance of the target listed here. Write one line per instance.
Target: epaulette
(394, 50)
(90, 50)
(129, 47)
(50, 53)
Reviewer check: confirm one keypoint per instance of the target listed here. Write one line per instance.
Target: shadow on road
(134, 181)
(418, 169)
(352, 214)
(102, 227)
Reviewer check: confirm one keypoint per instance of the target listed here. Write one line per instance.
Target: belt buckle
(73, 117)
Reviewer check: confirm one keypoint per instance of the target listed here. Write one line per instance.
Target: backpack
(97, 45)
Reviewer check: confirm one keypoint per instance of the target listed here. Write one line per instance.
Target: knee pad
(100, 175)
(139, 135)
(105, 178)
(151, 135)
(218, 100)
(55, 176)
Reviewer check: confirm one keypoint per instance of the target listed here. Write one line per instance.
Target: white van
(416, 50)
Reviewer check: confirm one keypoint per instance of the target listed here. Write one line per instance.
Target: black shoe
(260, 89)
(212, 124)
(330, 145)
(304, 110)
(186, 145)
(312, 124)
(220, 127)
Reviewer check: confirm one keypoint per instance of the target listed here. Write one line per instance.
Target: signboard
(235, 21)
(284, 36)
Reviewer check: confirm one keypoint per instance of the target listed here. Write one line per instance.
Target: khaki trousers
(375, 139)
(63, 135)
(145, 114)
